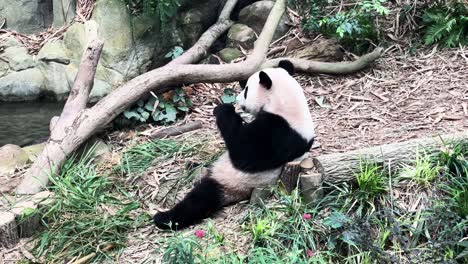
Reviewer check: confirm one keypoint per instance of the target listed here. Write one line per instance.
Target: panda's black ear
(242, 83)
(265, 80)
(287, 65)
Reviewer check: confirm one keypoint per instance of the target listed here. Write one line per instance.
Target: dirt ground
(397, 99)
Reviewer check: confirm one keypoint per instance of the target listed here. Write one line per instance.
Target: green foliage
(163, 9)
(175, 52)
(88, 212)
(455, 162)
(423, 171)
(446, 22)
(140, 157)
(354, 26)
(159, 109)
(336, 220)
(229, 96)
(181, 249)
(262, 228)
(371, 181)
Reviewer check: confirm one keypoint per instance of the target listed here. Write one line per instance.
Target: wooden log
(174, 131)
(340, 167)
(260, 195)
(27, 218)
(311, 184)
(289, 176)
(8, 230)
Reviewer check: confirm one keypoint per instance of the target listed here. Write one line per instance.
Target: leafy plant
(446, 22)
(160, 110)
(181, 249)
(163, 9)
(174, 52)
(371, 181)
(423, 171)
(354, 26)
(262, 228)
(88, 212)
(229, 96)
(336, 220)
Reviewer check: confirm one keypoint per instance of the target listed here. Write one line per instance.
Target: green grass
(371, 181)
(377, 220)
(89, 211)
(423, 170)
(140, 157)
(380, 219)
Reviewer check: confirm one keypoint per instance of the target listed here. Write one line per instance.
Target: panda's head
(265, 88)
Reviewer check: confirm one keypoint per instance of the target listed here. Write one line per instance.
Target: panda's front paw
(223, 109)
(162, 220)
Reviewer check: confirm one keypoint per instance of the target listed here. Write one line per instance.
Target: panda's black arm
(228, 121)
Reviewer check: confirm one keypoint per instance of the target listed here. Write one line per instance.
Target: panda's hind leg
(203, 201)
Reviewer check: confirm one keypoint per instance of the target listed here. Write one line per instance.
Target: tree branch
(308, 66)
(175, 131)
(54, 154)
(199, 49)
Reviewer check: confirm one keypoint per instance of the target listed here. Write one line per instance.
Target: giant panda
(281, 131)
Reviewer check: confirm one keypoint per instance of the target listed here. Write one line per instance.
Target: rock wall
(132, 44)
(27, 16)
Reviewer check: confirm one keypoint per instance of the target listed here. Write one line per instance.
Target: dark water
(26, 122)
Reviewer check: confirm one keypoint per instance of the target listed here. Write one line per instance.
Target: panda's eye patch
(245, 92)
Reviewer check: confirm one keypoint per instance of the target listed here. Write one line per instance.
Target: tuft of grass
(88, 213)
(371, 181)
(181, 249)
(140, 157)
(455, 162)
(455, 157)
(423, 171)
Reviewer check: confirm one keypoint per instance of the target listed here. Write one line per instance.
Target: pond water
(26, 122)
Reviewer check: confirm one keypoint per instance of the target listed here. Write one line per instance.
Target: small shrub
(423, 171)
(181, 249)
(446, 22)
(89, 212)
(159, 109)
(354, 26)
(163, 9)
(371, 181)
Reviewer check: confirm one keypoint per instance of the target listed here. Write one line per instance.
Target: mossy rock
(34, 150)
(229, 54)
(241, 35)
(12, 157)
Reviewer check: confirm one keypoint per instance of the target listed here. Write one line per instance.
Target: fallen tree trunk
(175, 131)
(86, 122)
(341, 167)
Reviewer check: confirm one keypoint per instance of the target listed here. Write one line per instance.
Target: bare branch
(84, 79)
(200, 48)
(309, 66)
(54, 153)
(177, 130)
